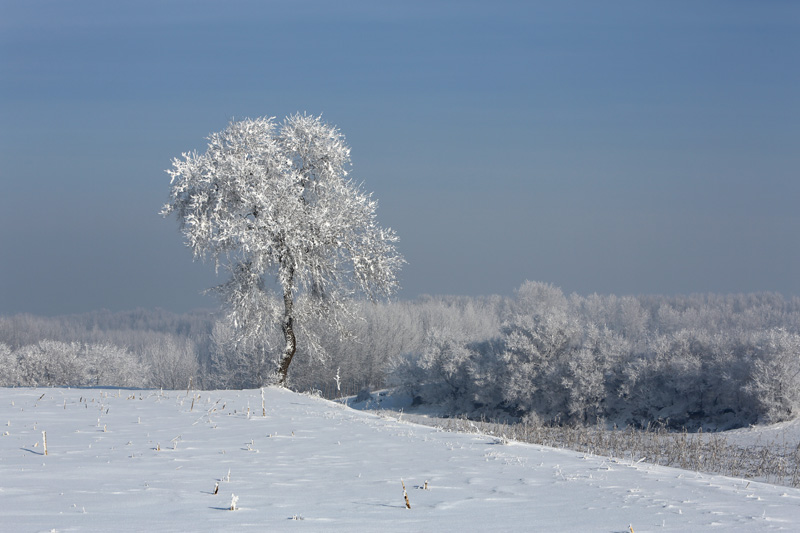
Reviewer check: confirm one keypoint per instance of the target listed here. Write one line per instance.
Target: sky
(625, 147)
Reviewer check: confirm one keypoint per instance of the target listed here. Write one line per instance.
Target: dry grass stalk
(405, 495)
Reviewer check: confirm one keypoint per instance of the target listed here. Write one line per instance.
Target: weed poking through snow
(405, 495)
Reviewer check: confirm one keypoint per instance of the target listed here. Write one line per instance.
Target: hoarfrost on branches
(270, 202)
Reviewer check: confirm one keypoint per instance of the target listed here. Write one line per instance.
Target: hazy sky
(611, 147)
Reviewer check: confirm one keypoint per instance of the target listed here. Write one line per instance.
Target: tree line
(701, 361)
(689, 361)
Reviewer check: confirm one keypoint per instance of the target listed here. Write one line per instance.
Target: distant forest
(700, 361)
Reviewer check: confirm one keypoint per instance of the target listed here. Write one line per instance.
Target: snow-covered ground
(780, 434)
(129, 460)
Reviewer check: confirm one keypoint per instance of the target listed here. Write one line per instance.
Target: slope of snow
(129, 460)
(781, 434)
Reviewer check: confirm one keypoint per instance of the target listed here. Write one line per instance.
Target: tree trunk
(288, 331)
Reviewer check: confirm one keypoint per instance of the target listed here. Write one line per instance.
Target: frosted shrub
(53, 363)
(775, 376)
(109, 365)
(240, 363)
(172, 361)
(444, 362)
(50, 363)
(436, 373)
(9, 370)
(452, 372)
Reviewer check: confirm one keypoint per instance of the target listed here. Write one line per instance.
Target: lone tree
(272, 204)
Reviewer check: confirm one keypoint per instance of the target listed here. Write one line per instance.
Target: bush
(54, 363)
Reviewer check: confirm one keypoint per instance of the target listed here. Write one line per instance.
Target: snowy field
(131, 460)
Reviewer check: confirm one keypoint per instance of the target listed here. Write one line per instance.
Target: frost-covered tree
(538, 337)
(272, 202)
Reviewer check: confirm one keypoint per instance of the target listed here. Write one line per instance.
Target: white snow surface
(145, 460)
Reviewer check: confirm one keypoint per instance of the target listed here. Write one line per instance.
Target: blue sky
(615, 147)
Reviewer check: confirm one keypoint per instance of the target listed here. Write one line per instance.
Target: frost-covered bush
(50, 363)
(110, 365)
(774, 380)
(439, 373)
(54, 363)
(236, 363)
(172, 361)
(9, 370)
(452, 372)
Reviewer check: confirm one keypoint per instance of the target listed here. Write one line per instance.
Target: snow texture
(149, 460)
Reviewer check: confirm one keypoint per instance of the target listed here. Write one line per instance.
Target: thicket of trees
(691, 361)
(706, 360)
